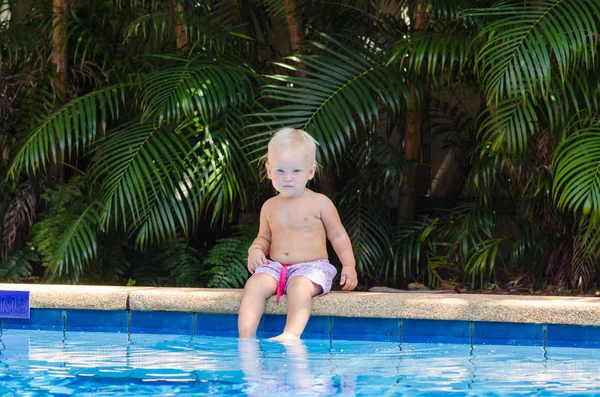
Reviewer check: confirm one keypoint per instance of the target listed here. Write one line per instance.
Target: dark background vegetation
(459, 139)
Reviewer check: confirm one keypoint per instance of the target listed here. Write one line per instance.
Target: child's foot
(285, 336)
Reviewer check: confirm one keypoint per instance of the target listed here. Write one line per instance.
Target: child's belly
(298, 249)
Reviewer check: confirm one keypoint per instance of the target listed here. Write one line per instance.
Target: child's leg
(258, 288)
(300, 291)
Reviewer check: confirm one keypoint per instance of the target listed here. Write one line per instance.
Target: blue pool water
(56, 363)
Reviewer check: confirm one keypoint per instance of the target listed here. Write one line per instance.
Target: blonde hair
(287, 138)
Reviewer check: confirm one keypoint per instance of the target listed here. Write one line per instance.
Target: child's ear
(311, 171)
(268, 167)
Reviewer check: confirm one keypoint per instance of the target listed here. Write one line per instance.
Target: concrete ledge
(49, 296)
(467, 307)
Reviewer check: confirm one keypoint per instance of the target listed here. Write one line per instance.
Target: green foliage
(174, 264)
(183, 263)
(577, 173)
(334, 103)
(227, 260)
(18, 265)
(66, 237)
(165, 138)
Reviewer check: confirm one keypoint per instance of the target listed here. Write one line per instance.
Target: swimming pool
(96, 340)
(36, 363)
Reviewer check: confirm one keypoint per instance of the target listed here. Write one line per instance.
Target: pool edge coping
(583, 310)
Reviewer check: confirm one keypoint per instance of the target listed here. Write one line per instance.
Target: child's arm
(262, 243)
(340, 242)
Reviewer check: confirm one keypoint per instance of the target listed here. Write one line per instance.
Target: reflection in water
(41, 363)
(282, 367)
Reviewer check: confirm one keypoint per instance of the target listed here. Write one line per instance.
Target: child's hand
(256, 257)
(349, 279)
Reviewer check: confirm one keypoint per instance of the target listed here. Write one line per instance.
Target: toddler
(294, 228)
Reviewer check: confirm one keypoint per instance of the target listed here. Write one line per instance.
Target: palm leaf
(224, 167)
(482, 260)
(18, 218)
(18, 265)
(411, 242)
(434, 54)
(135, 163)
(567, 98)
(368, 228)
(199, 87)
(72, 127)
(68, 240)
(528, 38)
(21, 43)
(576, 165)
(466, 226)
(339, 96)
(183, 263)
(508, 125)
(227, 260)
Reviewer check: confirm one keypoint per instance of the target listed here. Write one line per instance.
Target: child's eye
(297, 171)
(278, 170)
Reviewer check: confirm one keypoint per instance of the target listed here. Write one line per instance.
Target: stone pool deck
(406, 305)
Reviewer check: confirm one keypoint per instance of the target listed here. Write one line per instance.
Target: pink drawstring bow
(281, 283)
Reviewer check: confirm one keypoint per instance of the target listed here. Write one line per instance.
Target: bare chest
(296, 219)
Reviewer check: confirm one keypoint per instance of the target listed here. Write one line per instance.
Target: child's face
(290, 170)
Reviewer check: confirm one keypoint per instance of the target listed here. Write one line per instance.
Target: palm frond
(466, 226)
(224, 167)
(90, 44)
(183, 263)
(21, 43)
(438, 55)
(18, 265)
(576, 165)
(135, 163)
(344, 83)
(18, 218)
(583, 265)
(379, 170)
(573, 96)
(72, 128)
(482, 260)
(412, 242)
(227, 260)
(508, 125)
(449, 9)
(528, 250)
(214, 27)
(203, 86)
(214, 182)
(529, 38)
(368, 228)
(68, 240)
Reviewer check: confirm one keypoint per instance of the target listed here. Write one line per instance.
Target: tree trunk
(182, 41)
(294, 24)
(411, 145)
(58, 55)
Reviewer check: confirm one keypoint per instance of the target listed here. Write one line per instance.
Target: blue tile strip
(356, 328)
(162, 322)
(43, 319)
(96, 320)
(513, 334)
(321, 327)
(431, 331)
(572, 335)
